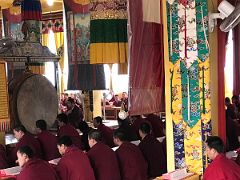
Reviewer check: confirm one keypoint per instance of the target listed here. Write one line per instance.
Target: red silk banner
(146, 58)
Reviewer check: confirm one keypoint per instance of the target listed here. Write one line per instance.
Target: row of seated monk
(46, 147)
(128, 162)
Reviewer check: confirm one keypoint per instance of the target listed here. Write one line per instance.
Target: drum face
(36, 99)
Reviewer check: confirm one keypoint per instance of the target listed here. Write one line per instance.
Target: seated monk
(3, 158)
(128, 129)
(157, 125)
(33, 169)
(74, 113)
(47, 140)
(66, 129)
(103, 159)
(220, 167)
(85, 129)
(74, 164)
(136, 121)
(131, 161)
(153, 151)
(107, 132)
(24, 138)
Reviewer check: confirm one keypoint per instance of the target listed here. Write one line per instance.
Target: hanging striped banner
(31, 10)
(190, 80)
(4, 107)
(108, 31)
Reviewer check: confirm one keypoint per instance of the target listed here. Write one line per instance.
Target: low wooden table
(111, 112)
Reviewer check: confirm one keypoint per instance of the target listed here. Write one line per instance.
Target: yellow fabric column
(169, 124)
(214, 71)
(4, 105)
(97, 107)
(59, 41)
(187, 87)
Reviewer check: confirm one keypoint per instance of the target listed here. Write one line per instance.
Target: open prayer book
(10, 171)
(54, 161)
(177, 174)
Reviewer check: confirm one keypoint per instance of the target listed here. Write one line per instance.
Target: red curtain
(236, 60)
(222, 39)
(146, 62)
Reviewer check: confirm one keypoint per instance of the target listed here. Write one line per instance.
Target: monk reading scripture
(47, 140)
(33, 169)
(153, 151)
(74, 164)
(103, 159)
(131, 161)
(65, 129)
(107, 133)
(220, 167)
(24, 138)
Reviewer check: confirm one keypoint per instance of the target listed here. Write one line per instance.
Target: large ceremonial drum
(32, 97)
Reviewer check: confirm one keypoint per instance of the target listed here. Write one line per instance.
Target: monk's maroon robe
(136, 124)
(27, 140)
(75, 165)
(48, 144)
(222, 168)
(154, 155)
(107, 134)
(3, 158)
(68, 130)
(104, 162)
(37, 169)
(131, 162)
(157, 125)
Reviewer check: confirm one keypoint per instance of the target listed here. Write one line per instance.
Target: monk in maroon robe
(131, 161)
(157, 125)
(153, 151)
(103, 159)
(24, 138)
(107, 133)
(128, 129)
(221, 167)
(3, 158)
(66, 129)
(74, 113)
(136, 121)
(238, 159)
(33, 169)
(47, 140)
(74, 164)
